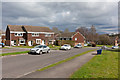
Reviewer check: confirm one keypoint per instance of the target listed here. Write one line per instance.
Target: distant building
(73, 36)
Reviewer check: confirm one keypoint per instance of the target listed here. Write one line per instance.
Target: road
(19, 65)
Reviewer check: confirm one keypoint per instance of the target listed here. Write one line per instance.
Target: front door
(30, 43)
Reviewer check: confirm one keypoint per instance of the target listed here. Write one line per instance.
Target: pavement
(19, 65)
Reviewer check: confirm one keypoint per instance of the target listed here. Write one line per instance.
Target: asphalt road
(20, 65)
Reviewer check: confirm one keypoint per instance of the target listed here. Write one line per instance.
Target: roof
(69, 34)
(15, 28)
(37, 29)
(29, 28)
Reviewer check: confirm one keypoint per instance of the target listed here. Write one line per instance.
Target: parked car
(40, 49)
(115, 47)
(78, 46)
(85, 44)
(2, 45)
(65, 47)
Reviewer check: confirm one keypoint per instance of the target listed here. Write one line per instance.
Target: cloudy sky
(103, 15)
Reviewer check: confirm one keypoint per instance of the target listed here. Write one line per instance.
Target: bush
(62, 42)
(92, 44)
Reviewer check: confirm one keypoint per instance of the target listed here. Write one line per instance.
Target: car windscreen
(65, 45)
(40, 46)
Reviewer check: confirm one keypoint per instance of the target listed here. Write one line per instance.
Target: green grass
(65, 60)
(14, 53)
(54, 47)
(101, 66)
(6, 48)
(104, 45)
(24, 46)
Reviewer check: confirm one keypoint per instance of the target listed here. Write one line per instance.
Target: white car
(85, 44)
(65, 47)
(115, 47)
(40, 49)
(78, 46)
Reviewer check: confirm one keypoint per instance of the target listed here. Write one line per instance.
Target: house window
(64, 38)
(18, 34)
(15, 34)
(75, 39)
(35, 34)
(38, 41)
(48, 35)
(22, 41)
(70, 38)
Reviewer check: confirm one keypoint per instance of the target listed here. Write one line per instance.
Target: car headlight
(37, 49)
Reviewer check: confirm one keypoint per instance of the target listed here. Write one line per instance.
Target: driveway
(19, 65)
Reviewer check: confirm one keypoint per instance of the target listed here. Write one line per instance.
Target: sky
(71, 15)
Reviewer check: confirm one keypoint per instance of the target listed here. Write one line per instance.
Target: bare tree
(55, 29)
(66, 30)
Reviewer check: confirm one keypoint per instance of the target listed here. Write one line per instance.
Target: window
(15, 34)
(18, 34)
(44, 46)
(64, 38)
(75, 39)
(22, 41)
(70, 38)
(48, 35)
(38, 41)
(35, 34)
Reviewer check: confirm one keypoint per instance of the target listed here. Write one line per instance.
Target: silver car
(78, 46)
(40, 49)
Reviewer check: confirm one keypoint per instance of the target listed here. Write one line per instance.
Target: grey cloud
(62, 15)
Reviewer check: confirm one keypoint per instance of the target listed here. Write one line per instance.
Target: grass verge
(54, 47)
(24, 46)
(101, 66)
(104, 45)
(65, 60)
(14, 53)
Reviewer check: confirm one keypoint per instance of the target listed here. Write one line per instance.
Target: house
(77, 37)
(17, 35)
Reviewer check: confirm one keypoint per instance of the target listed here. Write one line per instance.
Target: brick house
(77, 37)
(17, 35)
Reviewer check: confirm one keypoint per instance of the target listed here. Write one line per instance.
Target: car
(40, 49)
(115, 47)
(2, 45)
(85, 44)
(78, 46)
(65, 47)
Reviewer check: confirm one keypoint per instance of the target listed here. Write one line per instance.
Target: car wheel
(48, 51)
(40, 52)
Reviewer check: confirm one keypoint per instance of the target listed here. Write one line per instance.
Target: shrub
(62, 42)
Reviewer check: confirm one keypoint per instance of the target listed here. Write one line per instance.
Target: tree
(104, 40)
(92, 33)
(66, 30)
(55, 29)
